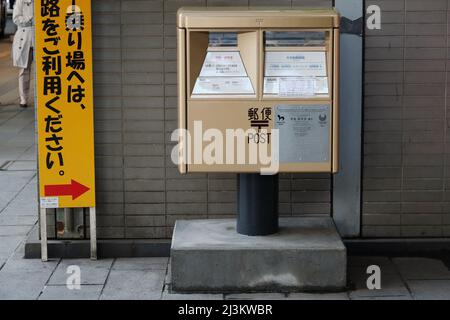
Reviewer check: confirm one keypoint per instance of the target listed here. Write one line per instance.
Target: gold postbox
(258, 80)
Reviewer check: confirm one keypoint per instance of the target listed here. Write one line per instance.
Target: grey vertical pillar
(257, 204)
(347, 183)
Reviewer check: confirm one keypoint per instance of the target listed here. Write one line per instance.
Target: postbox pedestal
(306, 254)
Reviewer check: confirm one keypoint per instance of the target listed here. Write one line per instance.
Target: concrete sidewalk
(140, 278)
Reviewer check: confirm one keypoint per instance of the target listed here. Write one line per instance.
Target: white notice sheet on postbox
(295, 73)
(223, 64)
(223, 85)
(223, 73)
(296, 86)
(295, 64)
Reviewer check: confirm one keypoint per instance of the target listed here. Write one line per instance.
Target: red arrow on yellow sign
(74, 189)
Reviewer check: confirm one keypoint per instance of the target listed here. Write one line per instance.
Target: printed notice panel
(223, 73)
(223, 85)
(304, 132)
(296, 74)
(223, 64)
(295, 64)
(64, 93)
(296, 86)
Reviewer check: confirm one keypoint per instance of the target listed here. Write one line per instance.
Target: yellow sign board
(65, 109)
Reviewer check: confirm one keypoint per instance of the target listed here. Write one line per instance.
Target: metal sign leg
(93, 231)
(43, 230)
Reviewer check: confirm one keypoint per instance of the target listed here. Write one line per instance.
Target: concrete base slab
(306, 254)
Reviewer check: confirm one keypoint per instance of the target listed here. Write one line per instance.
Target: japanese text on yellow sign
(64, 93)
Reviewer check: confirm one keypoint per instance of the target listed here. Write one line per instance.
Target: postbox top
(242, 17)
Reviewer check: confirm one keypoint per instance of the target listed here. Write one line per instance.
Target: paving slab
(21, 285)
(5, 198)
(430, 289)
(21, 209)
(140, 263)
(7, 112)
(4, 256)
(92, 272)
(255, 296)
(9, 153)
(392, 285)
(194, 296)
(24, 141)
(29, 154)
(318, 296)
(381, 298)
(422, 268)
(16, 128)
(22, 165)
(25, 203)
(10, 98)
(86, 292)
(362, 262)
(8, 231)
(14, 180)
(190, 296)
(135, 285)
(9, 244)
(18, 220)
(16, 263)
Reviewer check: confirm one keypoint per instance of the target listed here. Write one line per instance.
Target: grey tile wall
(140, 193)
(406, 162)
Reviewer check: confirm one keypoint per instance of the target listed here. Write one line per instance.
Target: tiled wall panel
(405, 178)
(140, 192)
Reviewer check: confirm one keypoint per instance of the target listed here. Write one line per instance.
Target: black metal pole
(257, 204)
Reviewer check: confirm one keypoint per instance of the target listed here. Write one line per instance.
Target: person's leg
(23, 92)
(24, 81)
